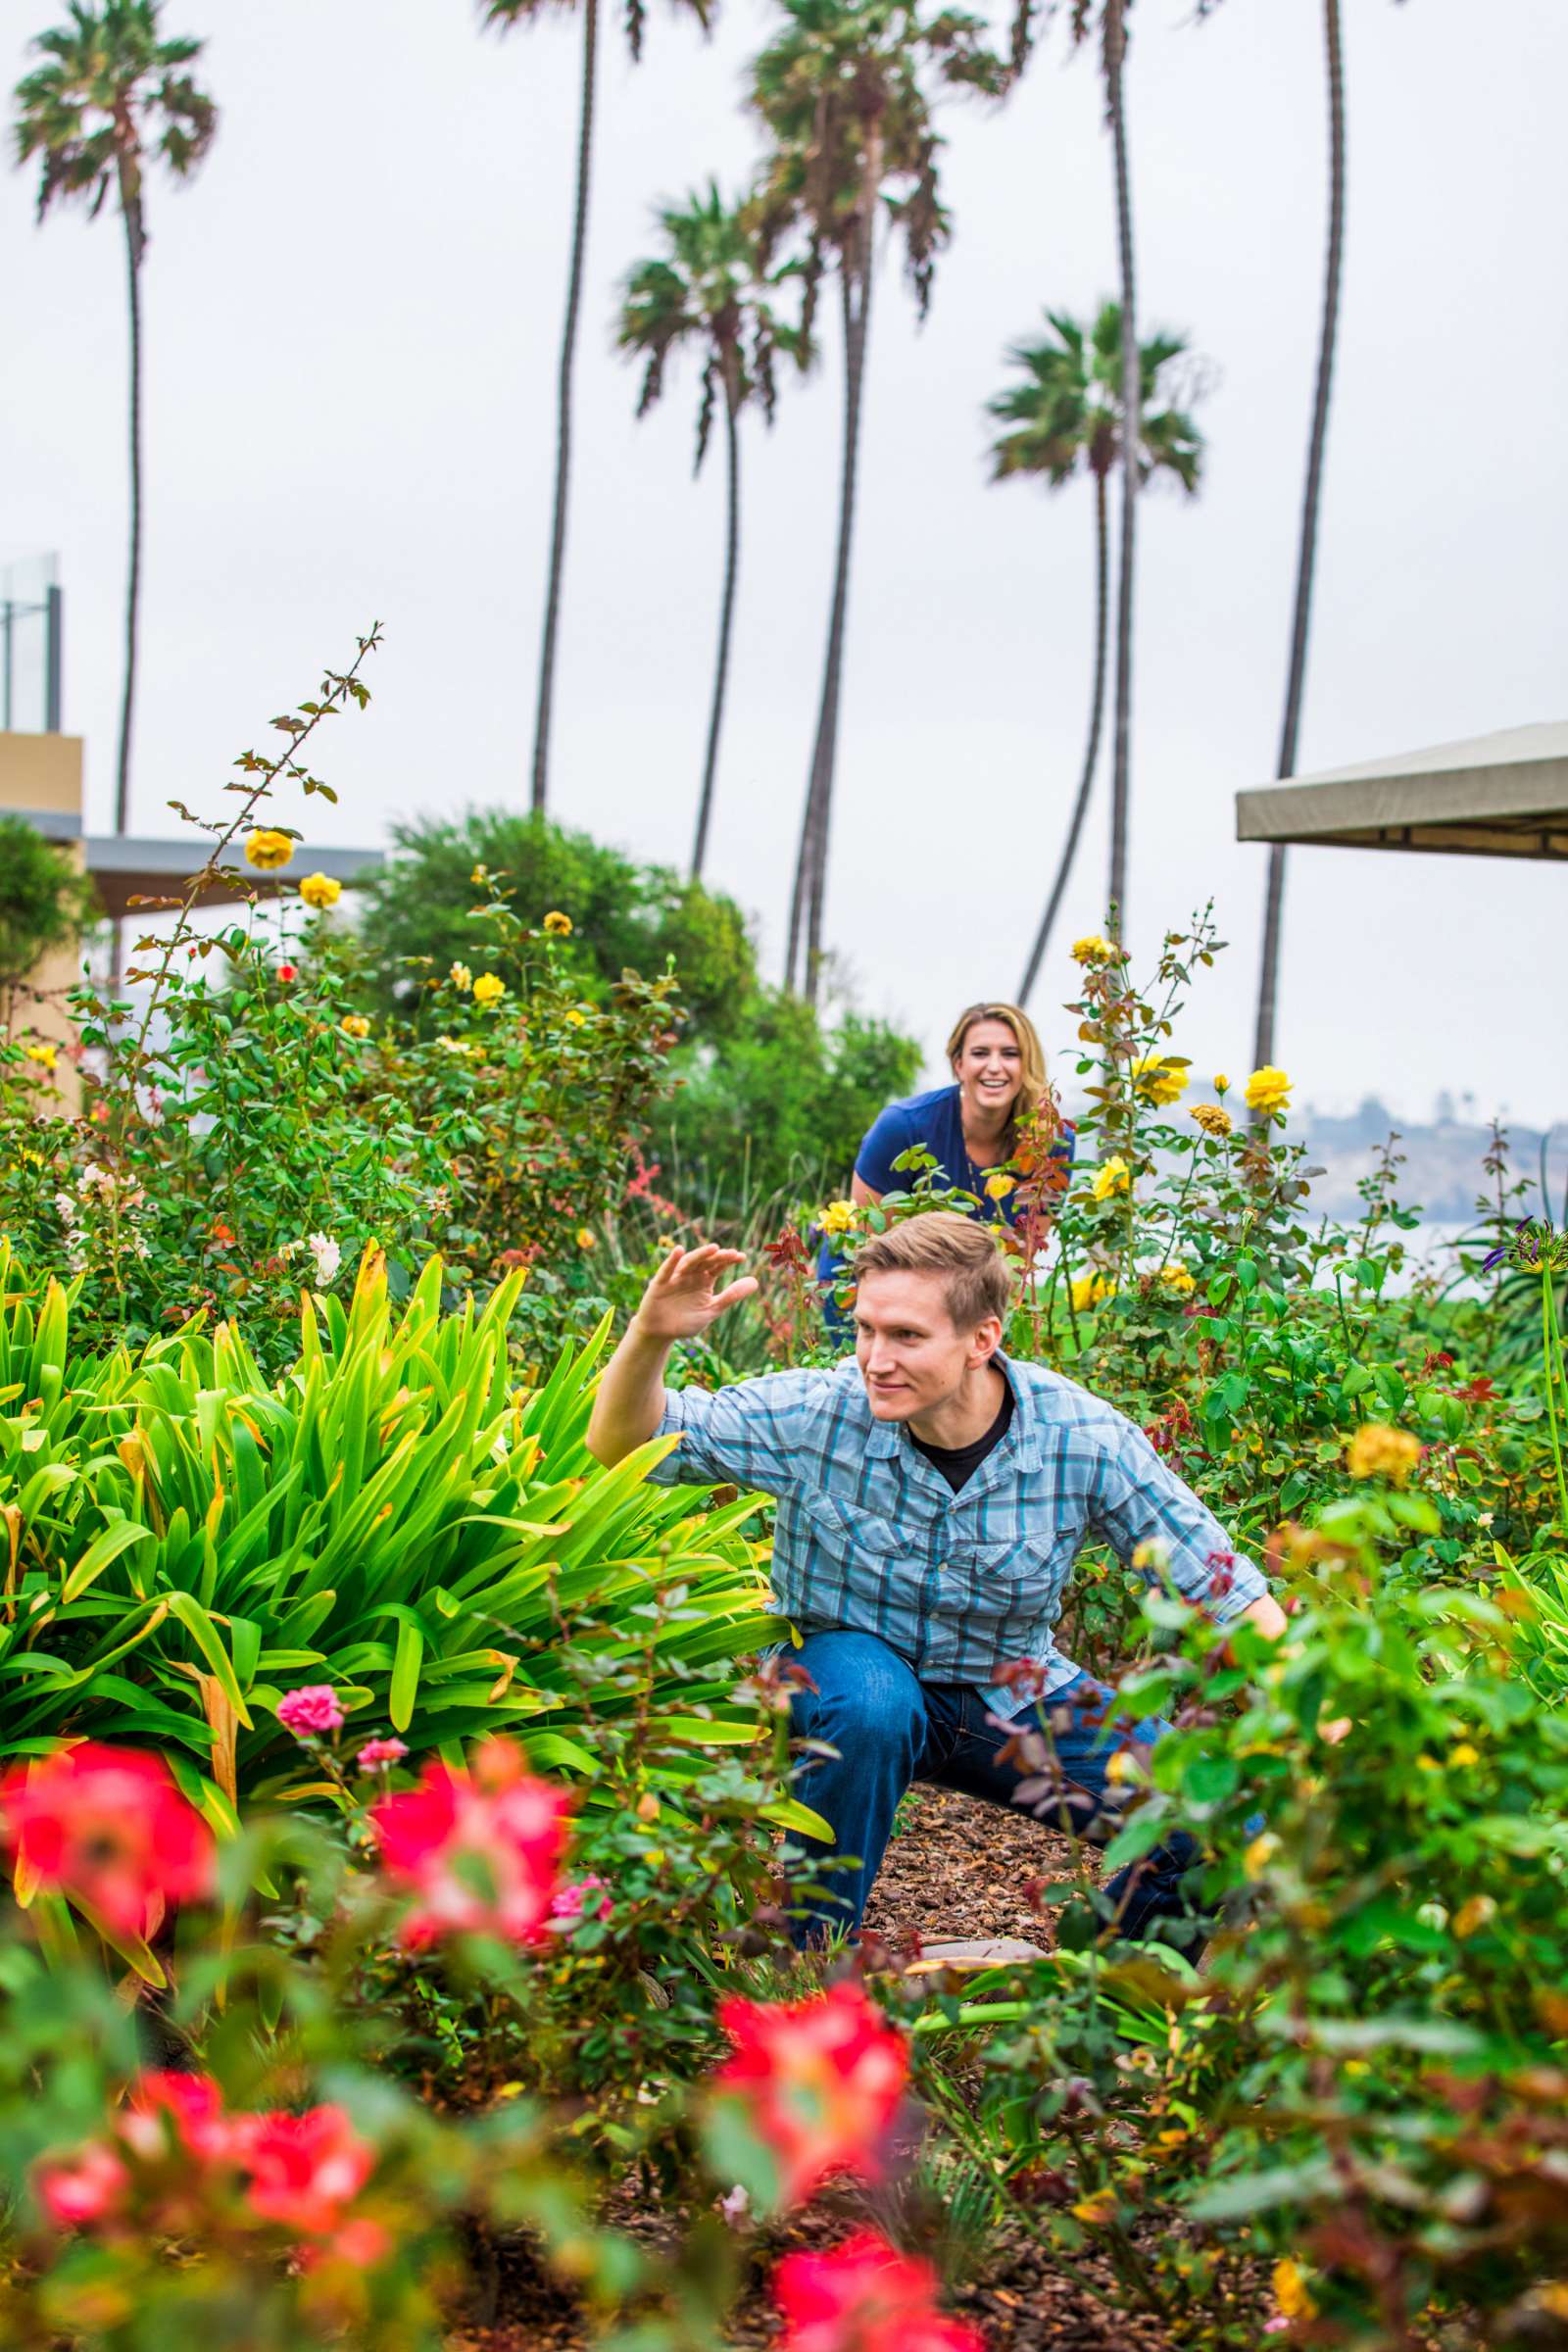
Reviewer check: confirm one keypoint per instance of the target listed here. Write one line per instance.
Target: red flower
(821, 2081)
(84, 2188)
(481, 1848)
(182, 2111)
(865, 2297)
(288, 971)
(306, 2169)
(108, 1825)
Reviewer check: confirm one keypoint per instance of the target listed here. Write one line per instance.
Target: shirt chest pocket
(862, 1551)
(992, 1582)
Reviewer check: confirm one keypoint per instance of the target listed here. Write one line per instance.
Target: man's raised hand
(684, 1297)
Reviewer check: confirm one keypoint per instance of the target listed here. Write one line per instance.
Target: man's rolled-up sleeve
(1140, 1500)
(746, 1435)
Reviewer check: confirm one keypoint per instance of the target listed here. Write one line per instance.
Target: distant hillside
(1443, 1171)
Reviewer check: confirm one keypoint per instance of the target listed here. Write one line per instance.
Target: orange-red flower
(821, 2080)
(182, 2110)
(81, 2188)
(305, 2170)
(481, 1848)
(865, 2297)
(108, 1825)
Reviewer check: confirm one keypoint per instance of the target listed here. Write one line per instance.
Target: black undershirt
(958, 1463)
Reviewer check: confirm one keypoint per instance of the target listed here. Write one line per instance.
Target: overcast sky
(352, 320)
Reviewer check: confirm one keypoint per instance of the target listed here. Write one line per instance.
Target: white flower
(65, 1209)
(735, 2206)
(93, 1178)
(327, 1255)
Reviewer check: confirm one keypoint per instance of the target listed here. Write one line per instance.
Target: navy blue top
(934, 1122)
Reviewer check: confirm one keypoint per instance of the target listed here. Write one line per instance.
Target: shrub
(190, 1539)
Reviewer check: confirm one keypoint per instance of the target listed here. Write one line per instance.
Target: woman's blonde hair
(1031, 1054)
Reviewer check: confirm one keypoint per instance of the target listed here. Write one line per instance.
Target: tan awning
(1496, 796)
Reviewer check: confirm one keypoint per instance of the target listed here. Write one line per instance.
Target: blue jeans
(887, 1729)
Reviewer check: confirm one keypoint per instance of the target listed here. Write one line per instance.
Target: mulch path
(957, 1867)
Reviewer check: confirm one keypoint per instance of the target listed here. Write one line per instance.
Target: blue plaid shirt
(871, 1535)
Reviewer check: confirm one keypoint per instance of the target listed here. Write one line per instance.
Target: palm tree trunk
(1274, 896)
(726, 614)
(135, 242)
(568, 351)
(1131, 453)
(1096, 711)
(811, 881)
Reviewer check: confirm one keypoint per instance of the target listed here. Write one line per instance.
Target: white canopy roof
(1494, 796)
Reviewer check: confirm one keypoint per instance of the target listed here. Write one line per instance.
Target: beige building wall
(43, 772)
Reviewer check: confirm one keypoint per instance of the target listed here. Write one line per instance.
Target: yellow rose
(837, 1217)
(1121, 1768)
(1268, 1090)
(577, 1018)
(1222, 1085)
(1375, 1451)
(489, 989)
(1092, 1289)
(999, 1187)
(1464, 1755)
(585, 1238)
(1473, 1915)
(1159, 1079)
(1212, 1120)
(1290, 2293)
(1093, 950)
(1178, 1279)
(1111, 1176)
(355, 1024)
(1259, 1855)
(558, 924)
(461, 978)
(1095, 2211)
(321, 891)
(265, 849)
(454, 1045)
(44, 1055)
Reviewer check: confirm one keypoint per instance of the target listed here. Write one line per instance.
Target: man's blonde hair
(976, 1282)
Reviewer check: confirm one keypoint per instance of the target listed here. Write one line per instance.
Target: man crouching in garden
(932, 1498)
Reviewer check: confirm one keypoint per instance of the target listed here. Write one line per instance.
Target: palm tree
(502, 15)
(845, 89)
(111, 96)
(1065, 415)
(1274, 896)
(709, 289)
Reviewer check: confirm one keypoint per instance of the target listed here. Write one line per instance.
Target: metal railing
(31, 647)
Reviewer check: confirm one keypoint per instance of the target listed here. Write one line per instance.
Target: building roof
(1493, 796)
(131, 865)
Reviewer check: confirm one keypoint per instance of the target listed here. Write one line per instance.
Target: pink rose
(376, 1752)
(313, 1707)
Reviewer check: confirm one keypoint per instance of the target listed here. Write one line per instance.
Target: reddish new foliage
(480, 1848)
(821, 2079)
(865, 2297)
(108, 1825)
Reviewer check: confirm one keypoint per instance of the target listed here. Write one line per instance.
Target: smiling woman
(999, 1071)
